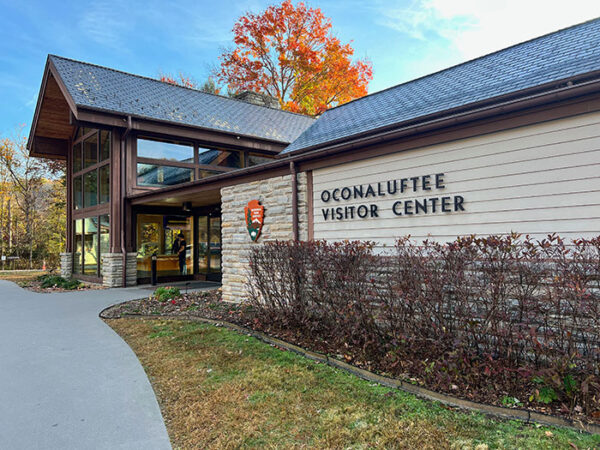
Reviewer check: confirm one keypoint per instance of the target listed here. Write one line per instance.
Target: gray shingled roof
(114, 91)
(557, 56)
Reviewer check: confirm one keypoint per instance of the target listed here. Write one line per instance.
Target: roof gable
(547, 59)
(105, 89)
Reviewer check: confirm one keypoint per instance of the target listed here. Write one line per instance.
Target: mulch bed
(208, 304)
(35, 286)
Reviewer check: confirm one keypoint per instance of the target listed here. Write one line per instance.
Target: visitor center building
(506, 142)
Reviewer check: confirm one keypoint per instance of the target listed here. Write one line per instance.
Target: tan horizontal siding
(535, 180)
(467, 168)
(538, 229)
(550, 133)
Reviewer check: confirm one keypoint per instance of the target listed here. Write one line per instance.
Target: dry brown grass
(220, 389)
(20, 276)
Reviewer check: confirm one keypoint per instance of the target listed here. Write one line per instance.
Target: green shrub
(511, 401)
(49, 281)
(162, 294)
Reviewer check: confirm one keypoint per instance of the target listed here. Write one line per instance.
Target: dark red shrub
(491, 316)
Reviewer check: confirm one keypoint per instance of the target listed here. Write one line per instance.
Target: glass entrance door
(214, 245)
(170, 238)
(209, 246)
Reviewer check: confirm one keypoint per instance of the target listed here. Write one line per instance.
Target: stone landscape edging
(491, 410)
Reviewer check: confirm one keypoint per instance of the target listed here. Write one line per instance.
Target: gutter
(294, 175)
(123, 198)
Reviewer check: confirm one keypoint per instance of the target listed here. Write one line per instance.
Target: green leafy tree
(32, 198)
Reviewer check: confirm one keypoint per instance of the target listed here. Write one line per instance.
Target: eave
(54, 143)
(505, 102)
(569, 98)
(51, 128)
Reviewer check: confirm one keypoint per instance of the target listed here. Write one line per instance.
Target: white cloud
(478, 27)
(32, 102)
(105, 22)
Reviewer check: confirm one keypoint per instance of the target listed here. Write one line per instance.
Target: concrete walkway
(67, 381)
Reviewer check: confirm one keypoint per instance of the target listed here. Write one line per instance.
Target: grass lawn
(20, 276)
(221, 389)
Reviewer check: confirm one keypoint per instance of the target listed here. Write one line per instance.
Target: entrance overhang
(200, 198)
(207, 191)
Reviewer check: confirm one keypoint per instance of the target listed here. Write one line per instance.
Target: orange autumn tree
(180, 80)
(290, 53)
(208, 86)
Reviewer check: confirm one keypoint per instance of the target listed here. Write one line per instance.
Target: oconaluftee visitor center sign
(423, 184)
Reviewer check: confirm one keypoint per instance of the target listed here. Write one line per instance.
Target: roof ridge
(176, 85)
(518, 44)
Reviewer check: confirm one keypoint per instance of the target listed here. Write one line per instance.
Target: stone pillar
(275, 194)
(66, 265)
(132, 269)
(112, 269)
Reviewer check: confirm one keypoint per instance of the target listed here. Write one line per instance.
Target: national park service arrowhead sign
(255, 214)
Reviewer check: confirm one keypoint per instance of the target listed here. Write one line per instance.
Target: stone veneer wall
(112, 269)
(66, 265)
(275, 194)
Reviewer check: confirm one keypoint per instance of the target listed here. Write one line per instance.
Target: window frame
(78, 142)
(158, 186)
(248, 155)
(81, 274)
(196, 166)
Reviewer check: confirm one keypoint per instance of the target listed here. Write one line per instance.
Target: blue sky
(403, 39)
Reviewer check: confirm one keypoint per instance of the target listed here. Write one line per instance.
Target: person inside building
(181, 252)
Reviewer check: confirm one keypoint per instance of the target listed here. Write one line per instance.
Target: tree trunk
(2, 233)
(28, 231)
(10, 235)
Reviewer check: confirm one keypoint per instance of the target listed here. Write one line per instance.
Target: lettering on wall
(427, 188)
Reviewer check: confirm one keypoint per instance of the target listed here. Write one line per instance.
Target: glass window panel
(90, 246)
(86, 130)
(208, 173)
(147, 148)
(153, 175)
(104, 237)
(207, 155)
(90, 189)
(229, 159)
(215, 244)
(219, 157)
(203, 244)
(77, 158)
(77, 196)
(148, 235)
(254, 160)
(78, 228)
(90, 151)
(104, 145)
(104, 178)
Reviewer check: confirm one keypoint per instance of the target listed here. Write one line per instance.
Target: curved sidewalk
(67, 381)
